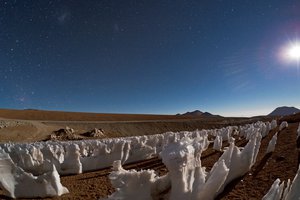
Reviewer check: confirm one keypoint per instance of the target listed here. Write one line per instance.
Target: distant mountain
(284, 110)
(32, 109)
(198, 113)
(193, 113)
(207, 114)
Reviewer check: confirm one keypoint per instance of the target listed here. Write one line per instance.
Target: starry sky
(142, 56)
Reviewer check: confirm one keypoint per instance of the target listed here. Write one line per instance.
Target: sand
(36, 125)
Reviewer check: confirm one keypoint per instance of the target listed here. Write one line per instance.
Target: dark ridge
(284, 111)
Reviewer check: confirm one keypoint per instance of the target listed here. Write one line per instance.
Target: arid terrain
(37, 125)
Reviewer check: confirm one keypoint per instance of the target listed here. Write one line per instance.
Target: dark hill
(193, 113)
(284, 110)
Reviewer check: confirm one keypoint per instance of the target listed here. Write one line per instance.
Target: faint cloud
(238, 69)
(242, 86)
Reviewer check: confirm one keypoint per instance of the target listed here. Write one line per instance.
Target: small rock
(279, 158)
(64, 134)
(95, 133)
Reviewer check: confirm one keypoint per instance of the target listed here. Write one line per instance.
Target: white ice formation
(275, 191)
(272, 144)
(74, 157)
(189, 180)
(283, 125)
(240, 162)
(186, 179)
(291, 191)
(131, 184)
(17, 183)
(217, 143)
(273, 124)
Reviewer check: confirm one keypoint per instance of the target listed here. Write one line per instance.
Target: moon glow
(293, 51)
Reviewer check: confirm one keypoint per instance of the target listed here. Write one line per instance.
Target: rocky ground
(12, 123)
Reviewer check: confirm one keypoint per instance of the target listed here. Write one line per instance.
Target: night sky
(153, 56)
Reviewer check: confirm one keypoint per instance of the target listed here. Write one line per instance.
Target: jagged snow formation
(283, 125)
(205, 185)
(248, 129)
(226, 132)
(273, 124)
(19, 184)
(265, 129)
(272, 144)
(240, 162)
(179, 158)
(131, 184)
(217, 143)
(180, 151)
(73, 157)
(72, 164)
(291, 191)
(104, 154)
(275, 191)
(186, 178)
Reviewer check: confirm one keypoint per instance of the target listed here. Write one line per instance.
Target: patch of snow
(19, 184)
(273, 124)
(291, 192)
(275, 191)
(283, 125)
(218, 143)
(272, 144)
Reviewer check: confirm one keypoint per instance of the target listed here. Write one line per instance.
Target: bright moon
(290, 53)
(294, 51)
